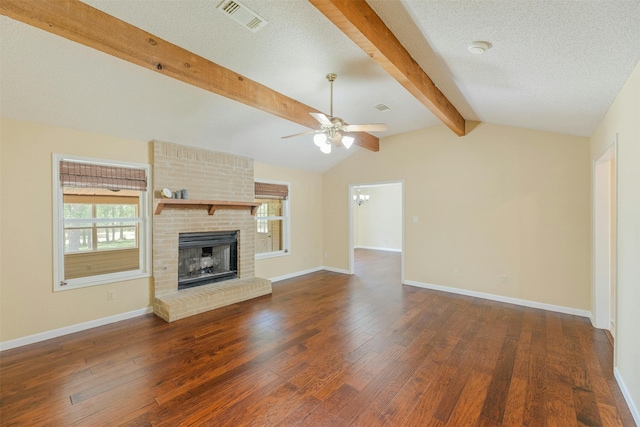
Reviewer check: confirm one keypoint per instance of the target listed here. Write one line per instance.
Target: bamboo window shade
(90, 175)
(265, 190)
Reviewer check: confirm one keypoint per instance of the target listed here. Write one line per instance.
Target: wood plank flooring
(325, 349)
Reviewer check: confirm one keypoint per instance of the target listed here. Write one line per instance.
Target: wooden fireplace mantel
(210, 205)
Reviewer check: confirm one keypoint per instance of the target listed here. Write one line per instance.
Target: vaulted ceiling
(553, 66)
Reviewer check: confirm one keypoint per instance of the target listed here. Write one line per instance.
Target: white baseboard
(42, 336)
(375, 248)
(55, 333)
(296, 274)
(311, 270)
(500, 298)
(335, 270)
(627, 396)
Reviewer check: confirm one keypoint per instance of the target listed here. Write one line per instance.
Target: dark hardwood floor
(325, 349)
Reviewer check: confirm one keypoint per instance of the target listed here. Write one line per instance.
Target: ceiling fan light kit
(332, 128)
(326, 147)
(360, 199)
(319, 139)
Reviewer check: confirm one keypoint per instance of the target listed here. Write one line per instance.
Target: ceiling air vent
(242, 14)
(381, 107)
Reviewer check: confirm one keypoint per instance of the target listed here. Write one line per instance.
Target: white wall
(377, 223)
(623, 120)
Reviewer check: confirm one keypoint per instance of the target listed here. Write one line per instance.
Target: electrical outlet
(456, 271)
(326, 255)
(110, 295)
(505, 279)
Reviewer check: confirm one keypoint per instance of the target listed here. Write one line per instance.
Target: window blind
(89, 175)
(265, 190)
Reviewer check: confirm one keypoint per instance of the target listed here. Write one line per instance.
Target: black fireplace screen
(206, 258)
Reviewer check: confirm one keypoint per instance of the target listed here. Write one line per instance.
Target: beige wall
(623, 119)
(378, 222)
(498, 201)
(28, 304)
(305, 209)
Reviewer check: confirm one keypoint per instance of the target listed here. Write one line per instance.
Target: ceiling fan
(332, 128)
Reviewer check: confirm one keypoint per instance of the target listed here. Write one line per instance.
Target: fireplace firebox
(206, 258)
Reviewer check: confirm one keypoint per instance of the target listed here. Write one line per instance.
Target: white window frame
(286, 224)
(144, 270)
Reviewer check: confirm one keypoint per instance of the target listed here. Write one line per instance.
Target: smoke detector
(479, 47)
(242, 15)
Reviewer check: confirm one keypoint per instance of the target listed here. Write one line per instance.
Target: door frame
(351, 222)
(604, 261)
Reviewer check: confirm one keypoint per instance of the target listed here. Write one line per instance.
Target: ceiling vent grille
(381, 107)
(242, 15)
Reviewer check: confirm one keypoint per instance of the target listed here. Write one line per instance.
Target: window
(272, 219)
(101, 222)
(262, 224)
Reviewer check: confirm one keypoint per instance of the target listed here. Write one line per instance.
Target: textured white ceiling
(554, 66)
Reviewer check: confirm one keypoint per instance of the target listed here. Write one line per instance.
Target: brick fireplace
(206, 175)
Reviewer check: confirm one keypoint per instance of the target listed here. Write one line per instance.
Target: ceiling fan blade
(301, 133)
(321, 118)
(371, 127)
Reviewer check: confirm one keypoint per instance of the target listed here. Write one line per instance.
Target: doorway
(604, 219)
(376, 212)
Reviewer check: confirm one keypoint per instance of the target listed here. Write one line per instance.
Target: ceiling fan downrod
(331, 77)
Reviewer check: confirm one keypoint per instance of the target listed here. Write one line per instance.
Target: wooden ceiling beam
(91, 27)
(362, 25)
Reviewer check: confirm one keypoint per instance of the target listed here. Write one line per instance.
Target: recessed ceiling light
(479, 47)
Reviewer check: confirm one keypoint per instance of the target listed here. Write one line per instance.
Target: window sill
(104, 279)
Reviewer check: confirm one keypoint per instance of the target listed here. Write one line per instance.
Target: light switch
(415, 219)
